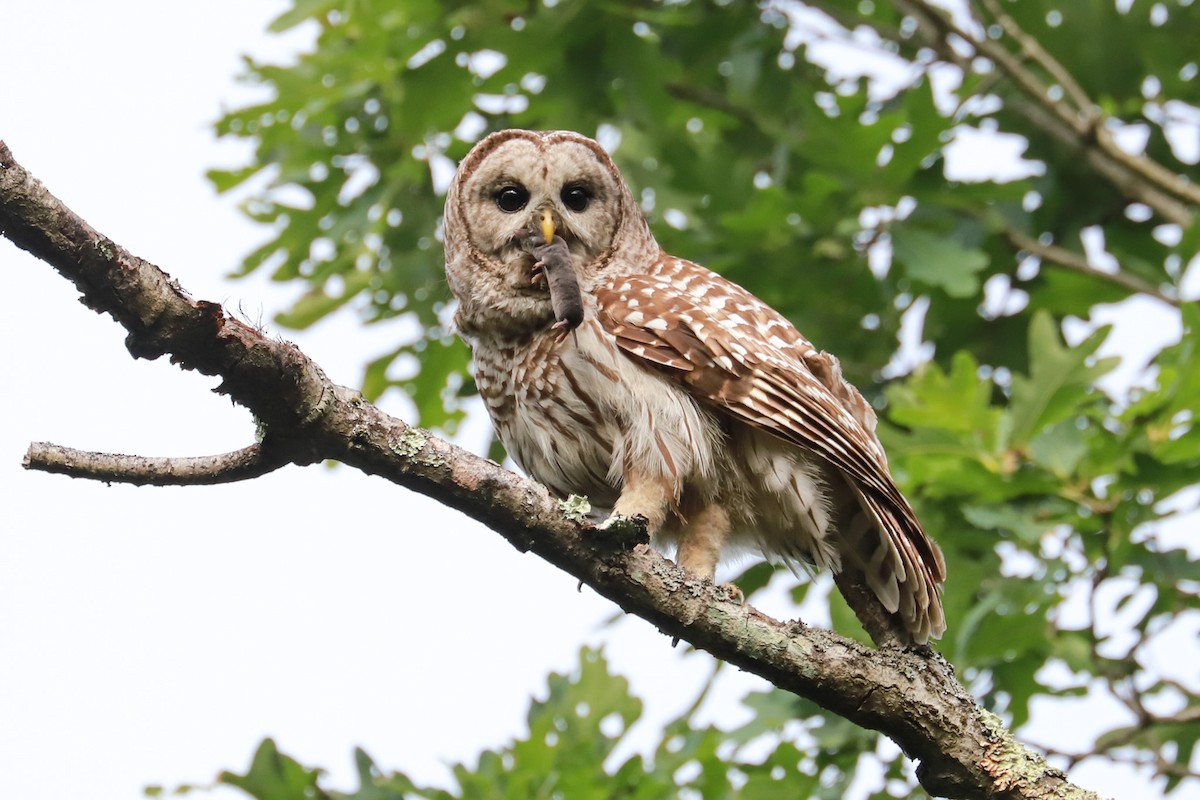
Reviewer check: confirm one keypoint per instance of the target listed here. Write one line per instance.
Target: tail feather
(891, 555)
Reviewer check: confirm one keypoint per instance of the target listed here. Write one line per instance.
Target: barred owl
(676, 395)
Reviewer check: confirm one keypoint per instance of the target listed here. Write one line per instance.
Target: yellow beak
(547, 225)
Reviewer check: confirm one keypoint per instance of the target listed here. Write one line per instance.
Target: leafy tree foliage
(572, 750)
(805, 151)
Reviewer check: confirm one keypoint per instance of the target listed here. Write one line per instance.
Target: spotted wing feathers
(734, 352)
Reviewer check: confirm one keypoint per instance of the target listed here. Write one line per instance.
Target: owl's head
(513, 181)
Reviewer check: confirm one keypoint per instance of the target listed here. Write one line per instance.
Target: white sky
(154, 636)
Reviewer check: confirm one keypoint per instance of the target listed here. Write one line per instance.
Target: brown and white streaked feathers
(681, 397)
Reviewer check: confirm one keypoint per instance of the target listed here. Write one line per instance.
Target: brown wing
(733, 351)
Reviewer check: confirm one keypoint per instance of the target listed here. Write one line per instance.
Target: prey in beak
(554, 261)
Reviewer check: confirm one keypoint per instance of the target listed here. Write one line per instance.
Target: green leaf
(1060, 379)
(958, 401)
(938, 261)
(1059, 448)
(301, 11)
(755, 577)
(772, 709)
(318, 303)
(225, 179)
(1025, 525)
(274, 776)
(437, 387)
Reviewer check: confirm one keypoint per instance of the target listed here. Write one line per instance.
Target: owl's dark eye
(512, 198)
(575, 197)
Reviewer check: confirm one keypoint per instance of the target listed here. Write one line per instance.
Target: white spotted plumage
(681, 396)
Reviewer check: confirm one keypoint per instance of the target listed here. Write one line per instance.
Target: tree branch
(911, 695)
(249, 462)
(1076, 262)
(703, 97)
(1138, 177)
(1033, 49)
(1089, 113)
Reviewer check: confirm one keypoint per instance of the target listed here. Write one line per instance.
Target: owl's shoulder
(681, 314)
(673, 292)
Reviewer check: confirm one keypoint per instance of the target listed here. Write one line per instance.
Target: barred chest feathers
(576, 414)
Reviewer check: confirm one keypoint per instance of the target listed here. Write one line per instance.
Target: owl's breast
(571, 414)
(546, 404)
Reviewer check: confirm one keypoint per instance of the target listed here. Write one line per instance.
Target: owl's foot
(732, 593)
(723, 591)
(620, 529)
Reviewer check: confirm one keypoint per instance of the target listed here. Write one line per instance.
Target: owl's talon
(620, 523)
(732, 593)
(625, 530)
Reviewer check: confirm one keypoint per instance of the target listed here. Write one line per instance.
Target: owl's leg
(701, 539)
(645, 495)
(700, 543)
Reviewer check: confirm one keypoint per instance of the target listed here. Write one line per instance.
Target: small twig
(1032, 48)
(715, 101)
(1147, 168)
(1025, 80)
(1076, 262)
(249, 462)
(1154, 761)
